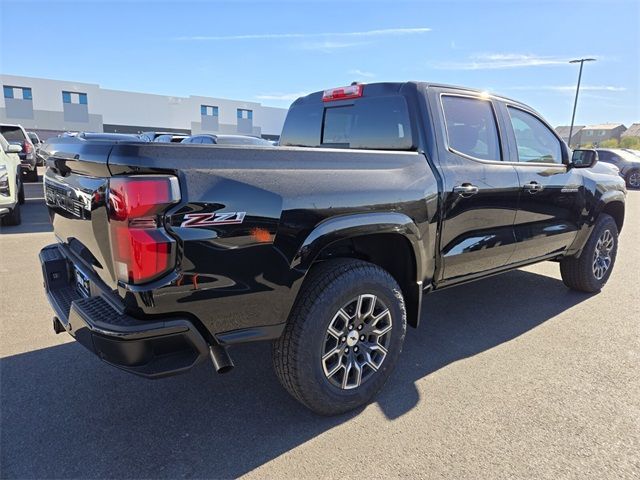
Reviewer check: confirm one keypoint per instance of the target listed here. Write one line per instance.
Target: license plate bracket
(82, 283)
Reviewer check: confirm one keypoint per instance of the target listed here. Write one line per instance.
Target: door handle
(465, 190)
(532, 187)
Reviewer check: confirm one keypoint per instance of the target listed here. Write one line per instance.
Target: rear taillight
(26, 147)
(343, 93)
(141, 248)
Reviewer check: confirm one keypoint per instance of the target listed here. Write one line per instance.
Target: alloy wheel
(602, 255)
(357, 341)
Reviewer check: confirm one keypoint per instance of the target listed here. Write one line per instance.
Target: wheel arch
(615, 208)
(612, 203)
(390, 240)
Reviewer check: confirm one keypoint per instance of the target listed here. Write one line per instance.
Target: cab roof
(390, 88)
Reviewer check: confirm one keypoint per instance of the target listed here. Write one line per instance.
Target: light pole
(575, 103)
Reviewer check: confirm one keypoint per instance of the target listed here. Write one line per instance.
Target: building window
(208, 111)
(22, 93)
(74, 97)
(246, 114)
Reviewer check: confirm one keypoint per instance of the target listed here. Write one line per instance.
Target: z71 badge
(212, 219)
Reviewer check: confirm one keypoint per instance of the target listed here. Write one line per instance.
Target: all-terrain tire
(579, 273)
(298, 353)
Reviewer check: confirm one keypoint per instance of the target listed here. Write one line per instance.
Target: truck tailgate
(74, 187)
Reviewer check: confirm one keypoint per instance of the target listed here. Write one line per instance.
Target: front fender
(600, 201)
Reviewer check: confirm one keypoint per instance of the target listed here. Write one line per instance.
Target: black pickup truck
(168, 254)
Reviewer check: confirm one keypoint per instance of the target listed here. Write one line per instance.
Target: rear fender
(348, 227)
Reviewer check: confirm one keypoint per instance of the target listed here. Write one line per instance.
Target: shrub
(630, 142)
(612, 143)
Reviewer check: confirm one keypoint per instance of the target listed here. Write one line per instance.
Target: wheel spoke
(369, 361)
(333, 332)
(334, 370)
(380, 332)
(370, 300)
(352, 365)
(379, 347)
(331, 353)
(386, 328)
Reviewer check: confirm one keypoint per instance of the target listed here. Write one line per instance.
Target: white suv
(16, 135)
(11, 188)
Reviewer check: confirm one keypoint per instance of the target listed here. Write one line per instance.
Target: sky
(273, 52)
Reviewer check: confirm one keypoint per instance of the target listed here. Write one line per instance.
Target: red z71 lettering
(212, 219)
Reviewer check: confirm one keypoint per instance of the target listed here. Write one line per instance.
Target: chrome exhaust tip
(220, 358)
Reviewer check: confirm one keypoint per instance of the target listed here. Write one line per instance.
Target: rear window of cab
(376, 123)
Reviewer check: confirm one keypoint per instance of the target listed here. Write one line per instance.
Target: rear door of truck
(480, 193)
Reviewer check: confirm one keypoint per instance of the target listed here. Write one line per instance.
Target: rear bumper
(154, 348)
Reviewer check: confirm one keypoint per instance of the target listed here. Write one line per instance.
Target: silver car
(627, 162)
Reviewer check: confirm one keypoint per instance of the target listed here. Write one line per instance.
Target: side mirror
(584, 158)
(14, 149)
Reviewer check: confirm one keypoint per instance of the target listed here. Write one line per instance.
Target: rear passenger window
(378, 123)
(535, 141)
(471, 127)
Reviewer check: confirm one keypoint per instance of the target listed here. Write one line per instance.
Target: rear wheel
(13, 218)
(343, 338)
(590, 271)
(20, 191)
(633, 179)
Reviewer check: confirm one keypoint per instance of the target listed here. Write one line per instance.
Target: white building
(53, 106)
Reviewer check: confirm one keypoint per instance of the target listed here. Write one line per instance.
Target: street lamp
(575, 103)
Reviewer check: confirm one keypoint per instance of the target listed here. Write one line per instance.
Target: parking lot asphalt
(513, 376)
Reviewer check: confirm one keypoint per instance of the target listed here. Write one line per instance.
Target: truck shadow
(65, 414)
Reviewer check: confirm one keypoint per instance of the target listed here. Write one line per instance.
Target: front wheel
(343, 337)
(590, 271)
